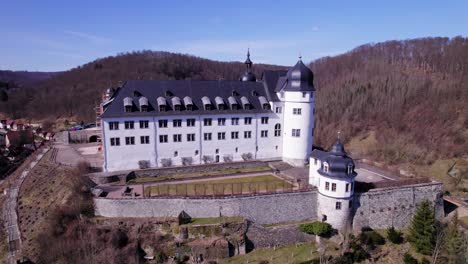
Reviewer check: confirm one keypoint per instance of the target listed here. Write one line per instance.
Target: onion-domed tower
(297, 93)
(248, 75)
(335, 185)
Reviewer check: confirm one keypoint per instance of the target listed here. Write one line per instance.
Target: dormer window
(136, 93)
(325, 167)
(176, 103)
(188, 103)
(264, 103)
(245, 103)
(350, 169)
(233, 103)
(128, 104)
(162, 104)
(143, 101)
(206, 102)
(220, 103)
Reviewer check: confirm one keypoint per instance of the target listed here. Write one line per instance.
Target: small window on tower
(338, 206)
(325, 166)
(327, 186)
(333, 187)
(350, 168)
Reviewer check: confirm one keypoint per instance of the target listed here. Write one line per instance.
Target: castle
(153, 123)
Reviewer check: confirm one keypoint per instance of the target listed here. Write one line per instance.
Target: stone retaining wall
(262, 209)
(383, 208)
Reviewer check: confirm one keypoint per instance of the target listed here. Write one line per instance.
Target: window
(190, 122)
(282, 94)
(247, 120)
(315, 161)
(196, 152)
(176, 153)
(333, 187)
(207, 136)
(144, 123)
(177, 137)
(338, 206)
(264, 133)
(128, 108)
(162, 108)
(162, 138)
(325, 166)
(221, 135)
(296, 132)
(207, 107)
(190, 137)
(144, 139)
(264, 120)
(350, 168)
(207, 122)
(177, 122)
(235, 121)
(189, 107)
(327, 186)
(129, 124)
(129, 140)
(177, 108)
(162, 123)
(247, 134)
(115, 141)
(237, 149)
(217, 151)
(297, 111)
(278, 110)
(113, 125)
(304, 94)
(235, 135)
(347, 187)
(221, 121)
(266, 106)
(352, 186)
(277, 130)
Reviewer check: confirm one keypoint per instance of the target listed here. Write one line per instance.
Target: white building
(149, 123)
(333, 174)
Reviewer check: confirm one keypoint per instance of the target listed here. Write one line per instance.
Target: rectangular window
(129, 125)
(264, 120)
(207, 136)
(327, 186)
(247, 121)
(315, 161)
(115, 141)
(162, 123)
(221, 121)
(264, 133)
(296, 132)
(234, 135)
(190, 122)
(297, 111)
(338, 206)
(221, 135)
(144, 139)
(207, 122)
(347, 187)
(247, 134)
(333, 187)
(162, 138)
(144, 123)
(129, 140)
(235, 121)
(190, 137)
(177, 137)
(177, 122)
(113, 125)
(304, 94)
(279, 110)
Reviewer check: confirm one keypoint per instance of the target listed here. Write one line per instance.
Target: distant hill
(18, 79)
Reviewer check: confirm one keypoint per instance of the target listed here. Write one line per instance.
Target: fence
(222, 189)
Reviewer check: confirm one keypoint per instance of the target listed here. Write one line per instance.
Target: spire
(248, 75)
(248, 62)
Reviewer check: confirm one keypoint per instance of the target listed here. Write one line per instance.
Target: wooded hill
(412, 94)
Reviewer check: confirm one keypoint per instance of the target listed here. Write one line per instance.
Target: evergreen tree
(422, 230)
(3, 95)
(454, 242)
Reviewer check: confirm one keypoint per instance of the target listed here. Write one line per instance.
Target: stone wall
(383, 208)
(262, 209)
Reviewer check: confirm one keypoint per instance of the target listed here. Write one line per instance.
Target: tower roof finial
(339, 133)
(300, 56)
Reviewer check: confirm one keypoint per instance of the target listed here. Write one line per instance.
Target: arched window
(325, 166)
(278, 130)
(350, 168)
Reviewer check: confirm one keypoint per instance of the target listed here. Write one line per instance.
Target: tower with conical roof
(248, 76)
(297, 93)
(334, 180)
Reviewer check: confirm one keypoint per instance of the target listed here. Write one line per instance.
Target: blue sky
(59, 35)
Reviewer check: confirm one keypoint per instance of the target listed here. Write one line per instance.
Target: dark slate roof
(319, 154)
(338, 162)
(270, 80)
(152, 89)
(298, 79)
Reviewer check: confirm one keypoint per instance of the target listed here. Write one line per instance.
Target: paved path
(9, 213)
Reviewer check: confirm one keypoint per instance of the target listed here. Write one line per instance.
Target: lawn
(282, 255)
(243, 185)
(181, 176)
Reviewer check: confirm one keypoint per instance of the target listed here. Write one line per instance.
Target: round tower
(336, 187)
(297, 94)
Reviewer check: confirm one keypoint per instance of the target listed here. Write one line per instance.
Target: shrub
(422, 229)
(207, 159)
(316, 228)
(425, 261)
(247, 156)
(394, 236)
(371, 238)
(227, 158)
(408, 259)
(187, 161)
(143, 164)
(119, 239)
(166, 162)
